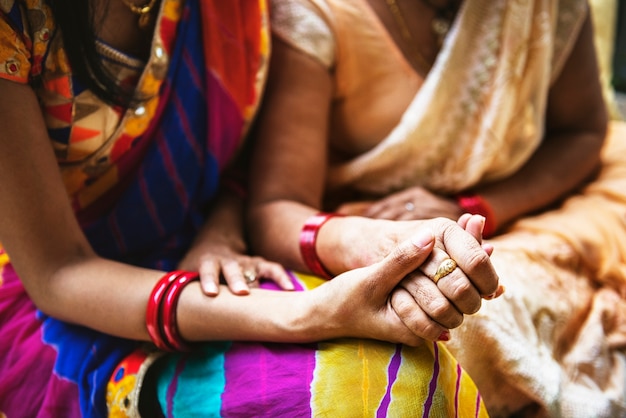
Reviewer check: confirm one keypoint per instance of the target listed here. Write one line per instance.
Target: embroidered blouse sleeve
(15, 44)
(25, 29)
(303, 25)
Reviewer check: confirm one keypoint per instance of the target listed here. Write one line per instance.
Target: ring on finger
(409, 206)
(446, 267)
(250, 276)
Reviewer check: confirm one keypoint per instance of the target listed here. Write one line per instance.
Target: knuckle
(400, 304)
(447, 224)
(445, 314)
(403, 256)
(461, 288)
(475, 259)
(465, 297)
(437, 308)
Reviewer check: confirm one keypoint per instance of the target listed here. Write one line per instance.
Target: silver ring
(409, 206)
(250, 276)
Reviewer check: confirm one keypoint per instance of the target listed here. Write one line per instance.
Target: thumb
(407, 257)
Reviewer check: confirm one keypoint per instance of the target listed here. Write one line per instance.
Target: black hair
(76, 21)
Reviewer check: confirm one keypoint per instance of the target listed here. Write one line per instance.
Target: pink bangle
(168, 311)
(308, 238)
(153, 310)
(476, 205)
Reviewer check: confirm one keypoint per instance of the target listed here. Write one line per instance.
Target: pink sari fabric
(24, 355)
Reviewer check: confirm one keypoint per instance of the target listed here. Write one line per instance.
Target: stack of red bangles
(161, 310)
(308, 240)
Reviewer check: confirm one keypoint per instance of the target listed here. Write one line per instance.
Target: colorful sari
(140, 186)
(553, 345)
(136, 200)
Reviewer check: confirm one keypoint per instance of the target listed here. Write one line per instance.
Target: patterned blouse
(89, 136)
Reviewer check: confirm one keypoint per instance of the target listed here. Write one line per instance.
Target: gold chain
(142, 11)
(406, 34)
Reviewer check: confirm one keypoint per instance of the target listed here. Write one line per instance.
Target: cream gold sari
(553, 345)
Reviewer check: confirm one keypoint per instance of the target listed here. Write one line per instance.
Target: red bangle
(168, 311)
(153, 311)
(308, 238)
(475, 204)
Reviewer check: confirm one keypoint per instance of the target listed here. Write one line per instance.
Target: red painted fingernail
(445, 336)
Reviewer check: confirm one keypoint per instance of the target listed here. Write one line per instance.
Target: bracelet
(475, 204)
(161, 307)
(168, 311)
(153, 314)
(308, 238)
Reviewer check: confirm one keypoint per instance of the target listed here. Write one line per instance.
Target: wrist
(308, 243)
(161, 311)
(312, 315)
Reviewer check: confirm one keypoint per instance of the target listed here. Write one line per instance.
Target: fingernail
(497, 293)
(445, 336)
(423, 238)
(500, 291)
(210, 288)
(240, 288)
(482, 223)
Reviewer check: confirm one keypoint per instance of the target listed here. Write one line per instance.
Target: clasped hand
(396, 298)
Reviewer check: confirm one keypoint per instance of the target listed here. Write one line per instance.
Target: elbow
(51, 286)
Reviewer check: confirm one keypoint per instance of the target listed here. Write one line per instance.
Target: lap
(346, 377)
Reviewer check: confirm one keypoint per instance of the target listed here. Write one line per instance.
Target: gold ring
(446, 267)
(250, 276)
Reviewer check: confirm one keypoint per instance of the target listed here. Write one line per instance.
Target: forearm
(575, 125)
(263, 315)
(274, 229)
(561, 164)
(112, 298)
(343, 243)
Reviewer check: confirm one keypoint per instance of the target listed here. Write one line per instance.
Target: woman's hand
(409, 204)
(220, 251)
(426, 309)
(358, 303)
(458, 292)
(214, 259)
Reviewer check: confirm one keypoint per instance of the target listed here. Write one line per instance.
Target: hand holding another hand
(396, 299)
(446, 295)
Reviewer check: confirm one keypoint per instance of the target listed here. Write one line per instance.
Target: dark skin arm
(576, 123)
